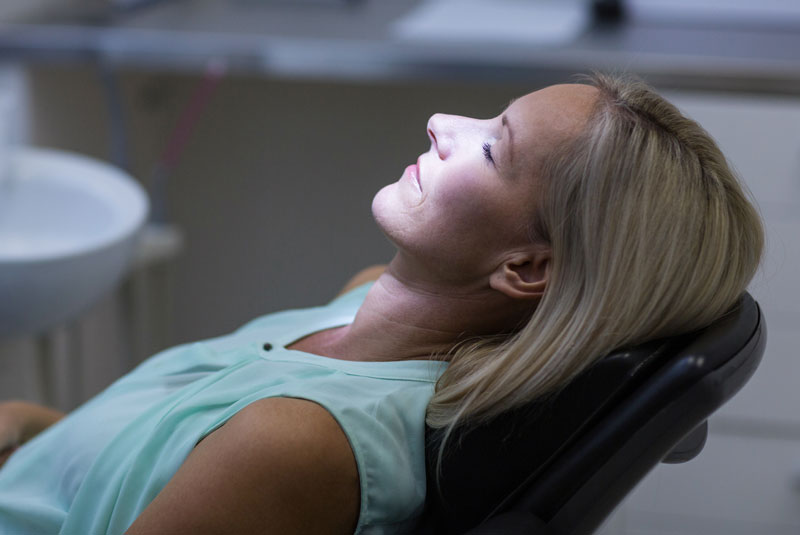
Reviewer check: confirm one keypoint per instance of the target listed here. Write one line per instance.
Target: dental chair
(560, 467)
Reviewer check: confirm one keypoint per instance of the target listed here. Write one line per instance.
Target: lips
(411, 174)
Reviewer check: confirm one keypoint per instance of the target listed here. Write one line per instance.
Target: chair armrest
(689, 447)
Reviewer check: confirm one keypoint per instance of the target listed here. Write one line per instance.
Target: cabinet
(747, 479)
(738, 485)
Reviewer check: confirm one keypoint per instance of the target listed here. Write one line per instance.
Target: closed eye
(487, 152)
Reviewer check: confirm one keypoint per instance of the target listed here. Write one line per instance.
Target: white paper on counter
(541, 22)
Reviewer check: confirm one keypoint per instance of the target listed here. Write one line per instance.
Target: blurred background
(261, 129)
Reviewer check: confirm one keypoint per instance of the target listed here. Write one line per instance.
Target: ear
(523, 276)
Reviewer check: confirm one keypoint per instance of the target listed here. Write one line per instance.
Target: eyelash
(487, 151)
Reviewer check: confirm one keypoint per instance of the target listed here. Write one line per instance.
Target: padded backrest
(541, 455)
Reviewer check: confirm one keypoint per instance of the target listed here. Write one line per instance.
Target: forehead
(546, 118)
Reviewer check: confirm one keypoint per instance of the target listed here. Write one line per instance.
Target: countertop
(358, 41)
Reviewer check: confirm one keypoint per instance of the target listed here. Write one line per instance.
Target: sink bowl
(68, 228)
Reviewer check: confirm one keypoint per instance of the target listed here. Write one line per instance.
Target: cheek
(482, 218)
(466, 204)
(458, 187)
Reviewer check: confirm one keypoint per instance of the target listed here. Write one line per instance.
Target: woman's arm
(20, 421)
(365, 275)
(281, 465)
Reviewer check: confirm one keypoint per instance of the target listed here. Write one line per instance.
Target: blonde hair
(651, 235)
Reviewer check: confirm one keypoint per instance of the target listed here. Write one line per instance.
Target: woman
(583, 218)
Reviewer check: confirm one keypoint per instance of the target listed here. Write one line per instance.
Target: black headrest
(483, 465)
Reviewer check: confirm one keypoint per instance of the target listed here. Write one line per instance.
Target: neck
(400, 320)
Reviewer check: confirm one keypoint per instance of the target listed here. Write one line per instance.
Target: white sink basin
(68, 226)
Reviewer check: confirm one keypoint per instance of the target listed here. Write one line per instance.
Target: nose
(440, 133)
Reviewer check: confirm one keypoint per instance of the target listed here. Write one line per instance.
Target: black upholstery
(561, 466)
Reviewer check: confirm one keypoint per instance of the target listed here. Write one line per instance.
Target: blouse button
(267, 346)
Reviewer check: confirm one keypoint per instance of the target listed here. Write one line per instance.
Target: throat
(321, 343)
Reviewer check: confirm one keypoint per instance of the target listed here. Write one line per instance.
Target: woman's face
(466, 204)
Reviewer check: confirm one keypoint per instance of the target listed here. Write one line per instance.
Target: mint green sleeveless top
(95, 471)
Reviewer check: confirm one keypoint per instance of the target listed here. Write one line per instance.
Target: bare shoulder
(281, 465)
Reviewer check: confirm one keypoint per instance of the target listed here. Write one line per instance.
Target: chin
(381, 206)
(386, 211)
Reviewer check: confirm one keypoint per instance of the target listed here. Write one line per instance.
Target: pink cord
(215, 70)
